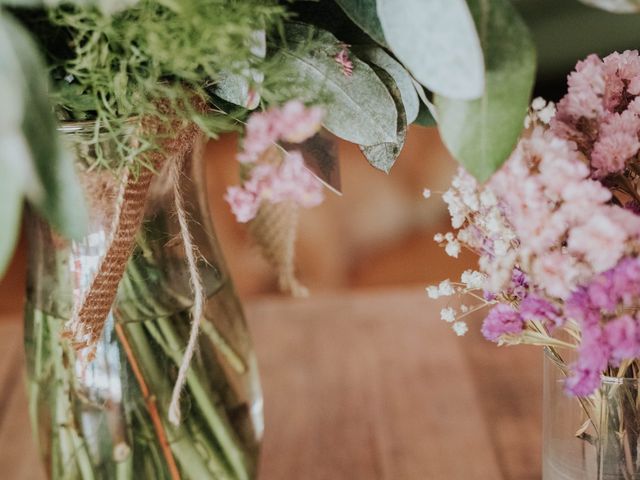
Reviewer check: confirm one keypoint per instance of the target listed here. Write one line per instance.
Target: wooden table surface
(362, 386)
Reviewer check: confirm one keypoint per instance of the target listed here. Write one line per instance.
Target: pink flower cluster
(293, 123)
(608, 337)
(601, 111)
(288, 181)
(566, 226)
(279, 179)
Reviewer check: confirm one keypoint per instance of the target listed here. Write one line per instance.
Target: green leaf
(403, 81)
(383, 155)
(425, 117)
(359, 108)
(482, 133)
(363, 13)
(12, 151)
(437, 41)
(616, 6)
(45, 171)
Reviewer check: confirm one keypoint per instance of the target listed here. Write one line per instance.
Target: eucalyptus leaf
(482, 133)
(616, 6)
(359, 108)
(425, 117)
(363, 13)
(383, 155)
(438, 42)
(378, 57)
(49, 182)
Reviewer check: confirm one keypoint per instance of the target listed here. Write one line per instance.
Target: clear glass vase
(590, 438)
(107, 419)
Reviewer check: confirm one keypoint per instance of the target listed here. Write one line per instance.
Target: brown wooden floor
(360, 386)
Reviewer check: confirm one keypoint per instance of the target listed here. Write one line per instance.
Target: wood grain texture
(364, 386)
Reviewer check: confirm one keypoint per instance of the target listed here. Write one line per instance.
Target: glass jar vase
(589, 438)
(107, 418)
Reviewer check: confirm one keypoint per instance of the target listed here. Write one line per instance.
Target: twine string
(195, 280)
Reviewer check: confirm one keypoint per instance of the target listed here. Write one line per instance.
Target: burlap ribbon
(92, 309)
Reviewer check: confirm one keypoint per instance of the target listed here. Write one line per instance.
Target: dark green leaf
(482, 133)
(359, 108)
(378, 57)
(616, 6)
(425, 118)
(363, 13)
(383, 155)
(437, 41)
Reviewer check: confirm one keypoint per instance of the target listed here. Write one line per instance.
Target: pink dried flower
(293, 123)
(288, 181)
(342, 58)
(600, 112)
(297, 123)
(501, 320)
(244, 203)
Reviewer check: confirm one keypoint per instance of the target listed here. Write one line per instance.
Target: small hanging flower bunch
(557, 229)
(276, 184)
(270, 173)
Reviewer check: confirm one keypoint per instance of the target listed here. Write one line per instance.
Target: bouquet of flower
(557, 232)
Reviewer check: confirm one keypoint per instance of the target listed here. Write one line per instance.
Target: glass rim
(83, 126)
(606, 379)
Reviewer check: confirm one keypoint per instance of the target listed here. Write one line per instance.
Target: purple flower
(501, 319)
(537, 308)
(623, 336)
(594, 358)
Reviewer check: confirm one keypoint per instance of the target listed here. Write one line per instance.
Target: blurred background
(379, 232)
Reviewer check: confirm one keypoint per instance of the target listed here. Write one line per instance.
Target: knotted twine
(92, 309)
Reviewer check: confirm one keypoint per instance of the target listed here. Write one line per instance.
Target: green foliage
(616, 6)
(383, 155)
(437, 41)
(381, 59)
(32, 162)
(124, 64)
(364, 14)
(481, 133)
(359, 108)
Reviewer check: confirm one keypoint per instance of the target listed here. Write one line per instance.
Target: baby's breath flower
(472, 279)
(446, 289)
(449, 236)
(464, 308)
(438, 237)
(538, 103)
(453, 248)
(433, 291)
(460, 328)
(448, 314)
(426, 193)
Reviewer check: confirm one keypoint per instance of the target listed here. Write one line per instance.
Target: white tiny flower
(453, 248)
(464, 308)
(69, 78)
(472, 279)
(465, 236)
(446, 289)
(438, 237)
(448, 236)
(426, 193)
(448, 315)
(460, 328)
(547, 113)
(500, 248)
(527, 121)
(433, 291)
(488, 199)
(538, 103)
